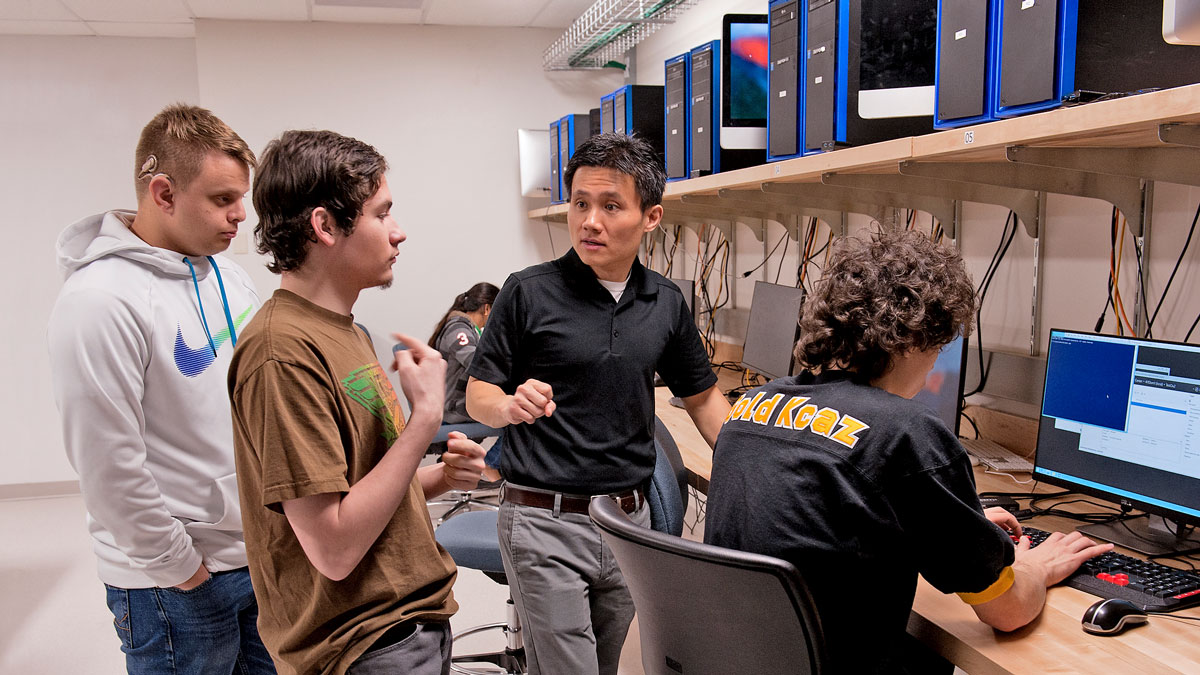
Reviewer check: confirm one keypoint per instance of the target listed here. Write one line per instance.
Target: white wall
(72, 111)
(443, 104)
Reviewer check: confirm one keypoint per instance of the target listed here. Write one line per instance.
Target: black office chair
(707, 610)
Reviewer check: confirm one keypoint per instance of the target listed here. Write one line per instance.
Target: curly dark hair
(300, 171)
(894, 293)
(628, 154)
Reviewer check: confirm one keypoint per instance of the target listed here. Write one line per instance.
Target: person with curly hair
(839, 472)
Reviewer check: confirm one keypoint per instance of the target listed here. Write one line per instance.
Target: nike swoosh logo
(192, 362)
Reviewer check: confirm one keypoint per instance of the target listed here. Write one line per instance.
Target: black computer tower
(870, 71)
(594, 124)
(638, 109)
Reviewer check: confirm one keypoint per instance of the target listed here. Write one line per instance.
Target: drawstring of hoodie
(224, 303)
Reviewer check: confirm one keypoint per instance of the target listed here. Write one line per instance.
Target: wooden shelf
(1129, 124)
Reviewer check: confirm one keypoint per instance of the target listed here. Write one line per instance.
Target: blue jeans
(492, 458)
(209, 629)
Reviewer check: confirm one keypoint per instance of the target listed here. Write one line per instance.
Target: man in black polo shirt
(840, 473)
(567, 362)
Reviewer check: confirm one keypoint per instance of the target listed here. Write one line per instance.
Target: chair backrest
(671, 452)
(665, 499)
(707, 610)
(476, 431)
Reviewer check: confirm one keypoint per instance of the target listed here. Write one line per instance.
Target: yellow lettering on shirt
(824, 421)
(789, 411)
(738, 408)
(749, 410)
(846, 432)
(762, 414)
(804, 417)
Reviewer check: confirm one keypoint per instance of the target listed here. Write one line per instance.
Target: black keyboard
(1149, 585)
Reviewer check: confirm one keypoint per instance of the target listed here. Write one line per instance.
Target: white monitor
(1181, 22)
(533, 146)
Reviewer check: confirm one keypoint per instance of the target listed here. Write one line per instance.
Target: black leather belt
(629, 500)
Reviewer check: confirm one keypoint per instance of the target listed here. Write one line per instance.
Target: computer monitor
(944, 385)
(1120, 421)
(744, 81)
(1181, 22)
(688, 288)
(773, 329)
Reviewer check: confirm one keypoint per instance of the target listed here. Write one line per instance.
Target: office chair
(707, 610)
(486, 496)
(472, 540)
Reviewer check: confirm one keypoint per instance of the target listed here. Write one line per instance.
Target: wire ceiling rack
(607, 30)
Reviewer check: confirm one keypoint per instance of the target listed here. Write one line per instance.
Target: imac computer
(773, 329)
(944, 385)
(744, 82)
(1120, 421)
(1181, 22)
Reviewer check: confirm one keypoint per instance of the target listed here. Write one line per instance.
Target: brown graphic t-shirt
(313, 412)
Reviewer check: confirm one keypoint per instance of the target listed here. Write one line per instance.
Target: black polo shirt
(555, 323)
(861, 490)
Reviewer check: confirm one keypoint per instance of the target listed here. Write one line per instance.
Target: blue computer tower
(676, 117)
(704, 109)
(1057, 51)
(555, 183)
(572, 131)
(785, 96)
(1035, 59)
(869, 75)
(607, 113)
(968, 39)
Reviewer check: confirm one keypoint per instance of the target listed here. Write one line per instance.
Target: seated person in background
(456, 337)
(837, 471)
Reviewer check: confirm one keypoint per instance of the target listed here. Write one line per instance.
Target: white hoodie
(144, 404)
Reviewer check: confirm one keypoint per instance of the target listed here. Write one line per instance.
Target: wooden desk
(1053, 643)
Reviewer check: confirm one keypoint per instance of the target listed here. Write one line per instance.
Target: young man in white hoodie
(140, 342)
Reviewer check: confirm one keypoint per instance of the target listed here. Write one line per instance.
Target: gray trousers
(575, 609)
(425, 652)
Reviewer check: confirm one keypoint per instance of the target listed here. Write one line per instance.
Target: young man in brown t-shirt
(347, 573)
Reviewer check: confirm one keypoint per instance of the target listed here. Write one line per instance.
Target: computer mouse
(1113, 616)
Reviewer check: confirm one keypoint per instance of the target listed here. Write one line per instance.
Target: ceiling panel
(561, 13)
(131, 11)
(365, 14)
(483, 12)
(241, 10)
(143, 29)
(44, 28)
(34, 10)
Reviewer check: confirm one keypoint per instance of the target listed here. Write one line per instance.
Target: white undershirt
(616, 288)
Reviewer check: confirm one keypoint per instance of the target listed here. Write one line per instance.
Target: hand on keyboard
(1058, 556)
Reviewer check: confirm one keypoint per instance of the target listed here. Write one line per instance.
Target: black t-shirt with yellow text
(861, 490)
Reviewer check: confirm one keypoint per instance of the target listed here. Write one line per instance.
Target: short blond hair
(176, 141)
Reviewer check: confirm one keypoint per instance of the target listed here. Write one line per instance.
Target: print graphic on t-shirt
(370, 387)
(191, 362)
(798, 414)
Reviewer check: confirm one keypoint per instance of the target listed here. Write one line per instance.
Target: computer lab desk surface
(1053, 643)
